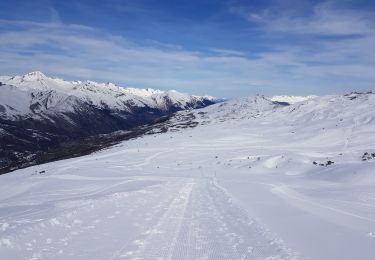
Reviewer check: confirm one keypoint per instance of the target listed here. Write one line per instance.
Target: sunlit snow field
(240, 185)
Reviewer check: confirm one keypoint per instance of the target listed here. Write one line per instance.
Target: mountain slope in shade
(39, 113)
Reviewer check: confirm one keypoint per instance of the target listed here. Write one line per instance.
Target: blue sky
(223, 48)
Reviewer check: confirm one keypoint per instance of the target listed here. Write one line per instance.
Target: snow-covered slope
(244, 179)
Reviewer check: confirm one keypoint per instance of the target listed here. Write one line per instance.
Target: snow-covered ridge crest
(35, 89)
(330, 111)
(38, 80)
(34, 79)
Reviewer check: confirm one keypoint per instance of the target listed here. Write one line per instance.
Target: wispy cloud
(322, 40)
(323, 18)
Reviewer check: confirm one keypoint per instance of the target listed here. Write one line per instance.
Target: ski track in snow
(202, 223)
(189, 218)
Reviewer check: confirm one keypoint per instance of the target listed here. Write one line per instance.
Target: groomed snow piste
(254, 180)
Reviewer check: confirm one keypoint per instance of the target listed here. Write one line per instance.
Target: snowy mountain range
(38, 96)
(38, 113)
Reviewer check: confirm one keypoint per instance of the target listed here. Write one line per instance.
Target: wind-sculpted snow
(243, 179)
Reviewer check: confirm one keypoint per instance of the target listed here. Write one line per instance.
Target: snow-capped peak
(35, 75)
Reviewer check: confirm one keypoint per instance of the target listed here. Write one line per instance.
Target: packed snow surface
(251, 181)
